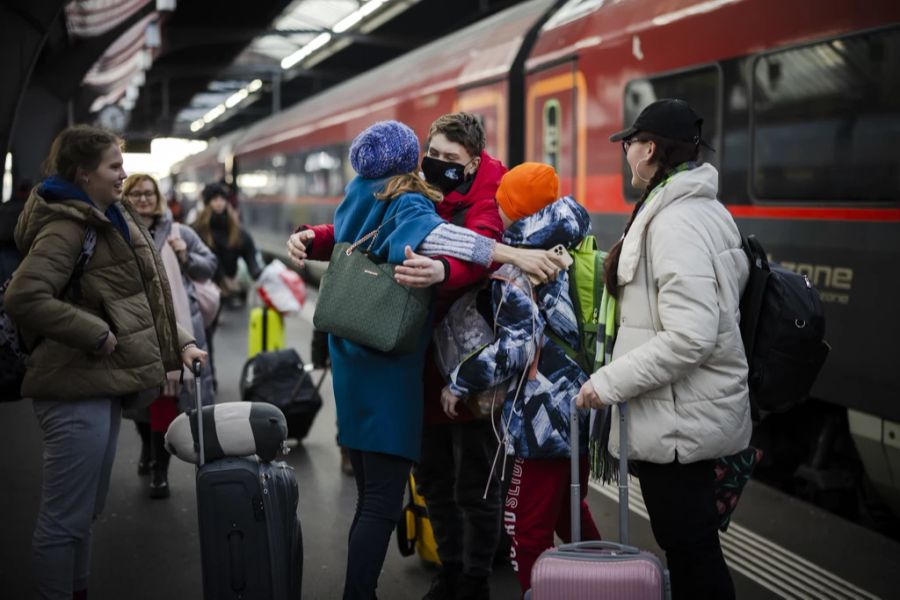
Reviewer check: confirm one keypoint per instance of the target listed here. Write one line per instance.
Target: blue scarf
(55, 188)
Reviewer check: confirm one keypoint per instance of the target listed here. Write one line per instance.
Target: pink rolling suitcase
(599, 570)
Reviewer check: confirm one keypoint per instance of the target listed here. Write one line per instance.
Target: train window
(825, 118)
(552, 132)
(323, 170)
(698, 87)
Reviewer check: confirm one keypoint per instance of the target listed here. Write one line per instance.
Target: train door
(488, 102)
(555, 121)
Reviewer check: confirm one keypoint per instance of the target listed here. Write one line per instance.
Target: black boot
(473, 588)
(445, 584)
(159, 466)
(143, 430)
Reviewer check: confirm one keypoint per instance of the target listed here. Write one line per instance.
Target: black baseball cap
(669, 118)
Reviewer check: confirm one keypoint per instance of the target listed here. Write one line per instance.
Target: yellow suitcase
(414, 533)
(266, 331)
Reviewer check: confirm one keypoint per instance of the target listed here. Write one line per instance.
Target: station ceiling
(239, 53)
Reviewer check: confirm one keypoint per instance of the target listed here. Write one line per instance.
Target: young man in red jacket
(456, 455)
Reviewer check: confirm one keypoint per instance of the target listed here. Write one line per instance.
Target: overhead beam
(179, 38)
(247, 71)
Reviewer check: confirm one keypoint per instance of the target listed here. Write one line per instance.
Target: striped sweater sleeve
(458, 242)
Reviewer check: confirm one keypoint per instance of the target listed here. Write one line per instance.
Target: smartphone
(561, 252)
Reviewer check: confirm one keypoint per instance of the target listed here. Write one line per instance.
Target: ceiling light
(214, 114)
(358, 15)
(197, 125)
(254, 85)
(236, 97)
(316, 43)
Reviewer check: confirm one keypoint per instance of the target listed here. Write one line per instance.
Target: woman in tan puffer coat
(678, 359)
(98, 338)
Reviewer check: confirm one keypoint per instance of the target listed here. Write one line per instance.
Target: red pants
(162, 412)
(537, 505)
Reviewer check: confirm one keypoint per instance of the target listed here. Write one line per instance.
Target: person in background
(220, 229)
(185, 258)
(540, 379)
(678, 360)
(98, 339)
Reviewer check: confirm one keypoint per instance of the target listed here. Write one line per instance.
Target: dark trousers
(681, 503)
(153, 447)
(380, 484)
(454, 470)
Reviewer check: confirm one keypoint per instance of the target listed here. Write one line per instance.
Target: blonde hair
(409, 183)
(137, 178)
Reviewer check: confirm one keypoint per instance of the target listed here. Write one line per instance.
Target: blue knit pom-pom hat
(383, 149)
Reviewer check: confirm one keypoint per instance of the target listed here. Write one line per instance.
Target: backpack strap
(752, 300)
(88, 245)
(577, 356)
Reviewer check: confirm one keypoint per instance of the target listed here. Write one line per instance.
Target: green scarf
(604, 466)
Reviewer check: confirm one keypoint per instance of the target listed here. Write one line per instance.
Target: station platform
(777, 547)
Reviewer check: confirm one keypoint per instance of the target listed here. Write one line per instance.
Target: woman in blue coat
(379, 396)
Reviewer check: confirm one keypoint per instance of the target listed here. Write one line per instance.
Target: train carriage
(801, 102)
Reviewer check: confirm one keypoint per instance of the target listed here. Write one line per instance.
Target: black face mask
(445, 176)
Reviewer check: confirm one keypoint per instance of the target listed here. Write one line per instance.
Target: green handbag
(360, 300)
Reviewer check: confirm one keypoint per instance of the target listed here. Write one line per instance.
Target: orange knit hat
(526, 189)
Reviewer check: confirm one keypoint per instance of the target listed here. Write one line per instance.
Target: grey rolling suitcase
(250, 538)
(599, 570)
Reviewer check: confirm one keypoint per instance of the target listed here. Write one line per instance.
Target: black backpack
(783, 328)
(12, 347)
(281, 378)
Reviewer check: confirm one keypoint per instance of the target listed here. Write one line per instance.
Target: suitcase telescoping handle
(575, 485)
(195, 368)
(599, 545)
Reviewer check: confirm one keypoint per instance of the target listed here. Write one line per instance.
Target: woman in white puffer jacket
(678, 359)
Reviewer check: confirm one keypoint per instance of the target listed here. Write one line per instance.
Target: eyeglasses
(137, 195)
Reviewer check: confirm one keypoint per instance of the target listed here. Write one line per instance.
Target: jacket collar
(700, 182)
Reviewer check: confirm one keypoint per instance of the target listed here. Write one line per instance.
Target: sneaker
(473, 588)
(444, 586)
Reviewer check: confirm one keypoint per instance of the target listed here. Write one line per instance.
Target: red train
(801, 100)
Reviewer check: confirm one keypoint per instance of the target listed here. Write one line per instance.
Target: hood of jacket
(700, 183)
(563, 222)
(487, 179)
(46, 204)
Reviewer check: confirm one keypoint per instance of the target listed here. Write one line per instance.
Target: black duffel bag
(281, 378)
